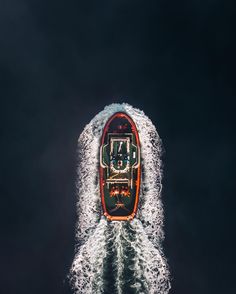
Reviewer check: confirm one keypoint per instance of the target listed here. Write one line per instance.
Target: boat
(120, 168)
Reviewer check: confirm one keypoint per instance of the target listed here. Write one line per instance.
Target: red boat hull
(120, 168)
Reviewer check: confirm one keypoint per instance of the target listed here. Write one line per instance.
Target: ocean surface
(119, 257)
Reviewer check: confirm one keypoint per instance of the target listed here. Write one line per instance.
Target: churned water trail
(119, 257)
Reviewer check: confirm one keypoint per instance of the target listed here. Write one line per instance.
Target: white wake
(124, 255)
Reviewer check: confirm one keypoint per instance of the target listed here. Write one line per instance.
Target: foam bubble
(139, 241)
